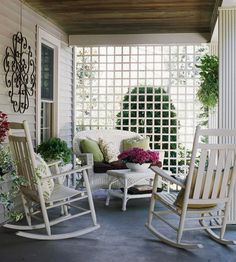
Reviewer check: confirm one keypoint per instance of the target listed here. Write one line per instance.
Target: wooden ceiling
(130, 16)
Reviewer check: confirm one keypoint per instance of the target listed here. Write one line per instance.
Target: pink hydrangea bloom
(139, 155)
(4, 126)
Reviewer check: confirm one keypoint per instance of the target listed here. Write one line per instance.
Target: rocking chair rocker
(35, 202)
(206, 195)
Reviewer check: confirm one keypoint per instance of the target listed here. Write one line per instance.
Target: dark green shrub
(160, 110)
(55, 149)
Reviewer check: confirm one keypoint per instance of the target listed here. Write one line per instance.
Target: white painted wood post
(227, 78)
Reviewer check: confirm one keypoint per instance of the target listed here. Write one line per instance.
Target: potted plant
(56, 149)
(138, 158)
(209, 88)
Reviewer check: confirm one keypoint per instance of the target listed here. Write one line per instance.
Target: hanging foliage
(209, 89)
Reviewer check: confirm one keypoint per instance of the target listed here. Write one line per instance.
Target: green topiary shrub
(55, 149)
(160, 118)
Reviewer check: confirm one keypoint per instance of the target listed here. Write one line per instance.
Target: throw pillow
(90, 146)
(41, 172)
(180, 197)
(142, 142)
(109, 151)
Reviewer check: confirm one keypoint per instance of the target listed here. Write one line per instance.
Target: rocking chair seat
(169, 199)
(61, 192)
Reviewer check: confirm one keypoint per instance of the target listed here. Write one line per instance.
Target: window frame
(46, 38)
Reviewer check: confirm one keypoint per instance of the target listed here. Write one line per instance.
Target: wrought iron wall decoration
(20, 77)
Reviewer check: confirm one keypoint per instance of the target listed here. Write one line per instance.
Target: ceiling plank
(130, 17)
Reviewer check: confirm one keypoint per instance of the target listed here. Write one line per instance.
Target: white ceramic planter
(138, 167)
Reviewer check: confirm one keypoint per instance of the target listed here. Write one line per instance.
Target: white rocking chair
(33, 198)
(210, 187)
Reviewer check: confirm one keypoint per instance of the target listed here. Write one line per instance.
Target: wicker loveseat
(100, 180)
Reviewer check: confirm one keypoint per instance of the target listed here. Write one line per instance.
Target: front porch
(136, 75)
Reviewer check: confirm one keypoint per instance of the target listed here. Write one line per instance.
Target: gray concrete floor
(121, 238)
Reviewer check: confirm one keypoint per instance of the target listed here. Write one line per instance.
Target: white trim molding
(136, 39)
(44, 37)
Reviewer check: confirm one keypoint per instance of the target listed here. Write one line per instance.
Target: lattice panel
(146, 89)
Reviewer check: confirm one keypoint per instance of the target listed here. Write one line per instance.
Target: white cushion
(109, 151)
(41, 172)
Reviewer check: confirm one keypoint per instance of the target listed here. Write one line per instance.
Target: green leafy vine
(8, 166)
(209, 89)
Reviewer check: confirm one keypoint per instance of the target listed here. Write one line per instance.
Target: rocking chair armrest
(67, 173)
(165, 175)
(53, 163)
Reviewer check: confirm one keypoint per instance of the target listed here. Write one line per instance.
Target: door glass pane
(47, 57)
(46, 121)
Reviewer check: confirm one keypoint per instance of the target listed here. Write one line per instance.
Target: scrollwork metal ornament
(20, 76)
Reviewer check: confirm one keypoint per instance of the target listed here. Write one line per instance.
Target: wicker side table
(127, 178)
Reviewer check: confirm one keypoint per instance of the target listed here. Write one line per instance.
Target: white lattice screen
(146, 89)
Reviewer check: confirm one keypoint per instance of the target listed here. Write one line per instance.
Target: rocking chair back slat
(218, 174)
(198, 184)
(209, 174)
(23, 160)
(28, 166)
(226, 172)
(22, 149)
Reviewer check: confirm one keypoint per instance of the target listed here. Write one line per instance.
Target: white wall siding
(9, 24)
(10, 11)
(66, 95)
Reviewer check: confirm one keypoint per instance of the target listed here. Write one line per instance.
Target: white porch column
(227, 76)
(213, 113)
